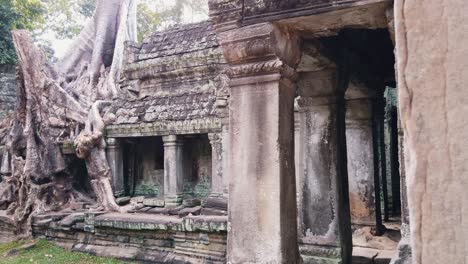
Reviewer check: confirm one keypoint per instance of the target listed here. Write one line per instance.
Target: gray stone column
(115, 159)
(324, 233)
(360, 153)
(173, 170)
(262, 194)
(217, 181)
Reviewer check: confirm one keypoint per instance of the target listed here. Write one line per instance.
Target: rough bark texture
(63, 106)
(431, 39)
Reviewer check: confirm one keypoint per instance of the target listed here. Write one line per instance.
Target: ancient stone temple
(285, 132)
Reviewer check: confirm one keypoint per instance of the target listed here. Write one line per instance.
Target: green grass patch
(44, 252)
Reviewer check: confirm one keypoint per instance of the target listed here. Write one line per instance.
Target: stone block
(364, 255)
(144, 209)
(218, 203)
(191, 202)
(385, 256)
(175, 210)
(211, 211)
(138, 199)
(190, 210)
(123, 200)
(154, 202)
(158, 210)
(404, 252)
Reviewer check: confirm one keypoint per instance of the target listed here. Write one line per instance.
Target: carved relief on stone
(221, 88)
(221, 84)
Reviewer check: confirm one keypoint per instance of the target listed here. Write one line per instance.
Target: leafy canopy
(65, 18)
(17, 14)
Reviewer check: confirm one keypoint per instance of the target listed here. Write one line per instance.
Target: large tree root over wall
(70, 104)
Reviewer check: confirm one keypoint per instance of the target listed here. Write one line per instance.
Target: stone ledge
(161, 128)
(162, 222)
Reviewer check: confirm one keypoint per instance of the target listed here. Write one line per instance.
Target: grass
(43, 252)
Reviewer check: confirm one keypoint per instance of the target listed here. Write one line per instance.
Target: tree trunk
(51, 105)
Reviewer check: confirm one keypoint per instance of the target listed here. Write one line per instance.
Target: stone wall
(432, 63)
(138, 237)
(7, 90)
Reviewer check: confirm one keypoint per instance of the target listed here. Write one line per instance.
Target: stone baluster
(173, 170)
(115, 159)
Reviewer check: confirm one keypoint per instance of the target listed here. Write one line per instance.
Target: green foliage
(148, 20)
(44, 252)
(17, 14)
(66, 18)
(154, 15)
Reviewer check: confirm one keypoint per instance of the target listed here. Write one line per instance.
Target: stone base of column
(173, 200)
(404, 252)
(316, 254)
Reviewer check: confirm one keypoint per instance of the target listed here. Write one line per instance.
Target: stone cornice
(161, 128)
(229, 14)
(262, 49)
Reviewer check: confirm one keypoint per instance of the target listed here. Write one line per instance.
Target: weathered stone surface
(172, 82)
(384, 257)
(153, 202)
(432, 78)
(262, 196)
(360, 156)
(218, 203)
(193, 202)
(323, 219)
(114, 156)
(191, 210)
(364, 255)
(174, 173)
(211, 211)
(123, 200)
(136, 200)
(404, 255)
(158, 210)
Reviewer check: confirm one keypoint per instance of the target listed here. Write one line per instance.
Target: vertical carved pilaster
(217, 181)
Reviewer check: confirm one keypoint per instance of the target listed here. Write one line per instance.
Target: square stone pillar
(262, 194)
(324, 229)
(217, 181)
(173, 170)
(114, 157)
(363, 192)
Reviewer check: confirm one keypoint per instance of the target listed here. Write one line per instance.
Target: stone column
(115, 159)
(173, 170)
(217, 181)
(325, 229)
(262, 194)
(363, 193)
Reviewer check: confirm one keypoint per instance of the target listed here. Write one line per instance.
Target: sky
(60, 46)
